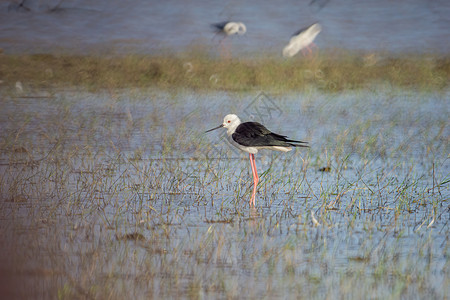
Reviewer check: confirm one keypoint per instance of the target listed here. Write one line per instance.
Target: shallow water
(80, 171)
(154, 26)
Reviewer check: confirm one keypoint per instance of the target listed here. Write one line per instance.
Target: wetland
(111, 189)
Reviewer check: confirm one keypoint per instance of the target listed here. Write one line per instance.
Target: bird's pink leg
(310, 49)
(307, 51)
(225, 48)
(255, 178)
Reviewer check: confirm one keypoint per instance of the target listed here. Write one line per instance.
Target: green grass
(331, 71)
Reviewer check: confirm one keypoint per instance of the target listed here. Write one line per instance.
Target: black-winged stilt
(302, 39)
(230, 28)
(253, 136)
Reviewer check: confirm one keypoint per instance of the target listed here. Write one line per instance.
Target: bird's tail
(295, 143)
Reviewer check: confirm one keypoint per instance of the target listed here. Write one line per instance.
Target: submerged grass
(329, 71)
(118, 195)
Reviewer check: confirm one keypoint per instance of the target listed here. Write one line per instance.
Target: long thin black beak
(214, 128)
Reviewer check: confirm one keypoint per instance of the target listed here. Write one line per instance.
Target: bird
(230, 28)
(301, 39)
(226, 29)
(253, 136)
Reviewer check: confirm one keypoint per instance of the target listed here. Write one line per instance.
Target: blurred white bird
(19, 87)
(226, 29)
(230, 28)
(302, 39)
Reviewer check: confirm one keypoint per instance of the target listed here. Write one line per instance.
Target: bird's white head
(230, 122)
(242, 29)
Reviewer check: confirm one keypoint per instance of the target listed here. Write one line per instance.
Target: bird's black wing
(303, 29)
(254, 134)
(219, 26)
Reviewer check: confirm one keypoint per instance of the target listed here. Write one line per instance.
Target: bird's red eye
(229, 121)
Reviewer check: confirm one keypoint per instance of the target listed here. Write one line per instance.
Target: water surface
(154, 26)
(124, 194)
